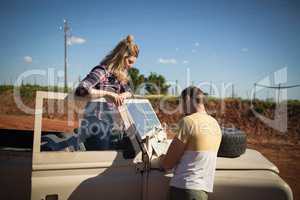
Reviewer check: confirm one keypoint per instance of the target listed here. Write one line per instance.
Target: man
(193, 152)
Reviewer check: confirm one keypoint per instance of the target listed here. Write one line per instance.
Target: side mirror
(127, 148)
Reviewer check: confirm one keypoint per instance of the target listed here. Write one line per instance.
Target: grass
(28, 91)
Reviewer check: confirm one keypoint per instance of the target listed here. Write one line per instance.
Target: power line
(276, 87)
(279, 88)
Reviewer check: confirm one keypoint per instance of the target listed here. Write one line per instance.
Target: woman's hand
(126, 95)
(117, 99)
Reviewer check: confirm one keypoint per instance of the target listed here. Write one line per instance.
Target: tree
(156, 84)
(136, 78)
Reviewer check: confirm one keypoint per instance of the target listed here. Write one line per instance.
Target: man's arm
(173, 155)
(177, 146)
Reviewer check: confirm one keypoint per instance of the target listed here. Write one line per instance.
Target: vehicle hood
(250, 160)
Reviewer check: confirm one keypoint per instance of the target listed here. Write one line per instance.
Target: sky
(195, 42)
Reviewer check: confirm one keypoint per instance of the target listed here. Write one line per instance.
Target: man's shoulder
(186, 120)
(198, 118)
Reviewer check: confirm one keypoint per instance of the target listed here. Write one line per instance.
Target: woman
(109, 79)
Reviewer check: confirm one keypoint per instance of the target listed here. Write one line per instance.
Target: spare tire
(233, 143)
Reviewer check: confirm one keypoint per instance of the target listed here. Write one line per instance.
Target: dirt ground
(27, 123)
(287, 159)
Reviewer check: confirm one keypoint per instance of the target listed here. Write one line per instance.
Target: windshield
(143, 116)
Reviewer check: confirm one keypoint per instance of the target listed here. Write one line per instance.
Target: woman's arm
(116, 98)
(126, 95)
(94, 77)
(126, 91)
(97, 76)
(96, 93)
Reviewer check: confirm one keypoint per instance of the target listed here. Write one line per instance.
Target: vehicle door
(74, 165)
(148, 128)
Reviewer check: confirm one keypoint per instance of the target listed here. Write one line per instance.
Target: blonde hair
(115, 59)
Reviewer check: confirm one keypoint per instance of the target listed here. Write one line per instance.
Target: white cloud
(185, 62)
(75, 40)
(197, 44)
(244, 49)
(193, 50)
(167, 61)
(27, 59)
(177, 49)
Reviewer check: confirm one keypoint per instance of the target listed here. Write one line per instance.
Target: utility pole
(278, 97)
(254, 92)
(232, 91)
(66, 30)
(210, 89)
(176, 87)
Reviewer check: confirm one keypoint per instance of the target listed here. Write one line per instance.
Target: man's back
(202, 135)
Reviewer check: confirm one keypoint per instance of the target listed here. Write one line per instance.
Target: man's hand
(156, 163)
(174, 154)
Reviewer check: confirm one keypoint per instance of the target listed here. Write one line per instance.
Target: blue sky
(239, 42)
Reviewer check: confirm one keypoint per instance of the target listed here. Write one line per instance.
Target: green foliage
(294, 102)
(154, 83)
(28, 91)
(4, 88)
(259, 109)
(262, 106)
(136, 78)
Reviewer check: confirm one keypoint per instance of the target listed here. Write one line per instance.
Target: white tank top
(195, 170)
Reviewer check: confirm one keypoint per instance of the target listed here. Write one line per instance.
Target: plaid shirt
(100, 78)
